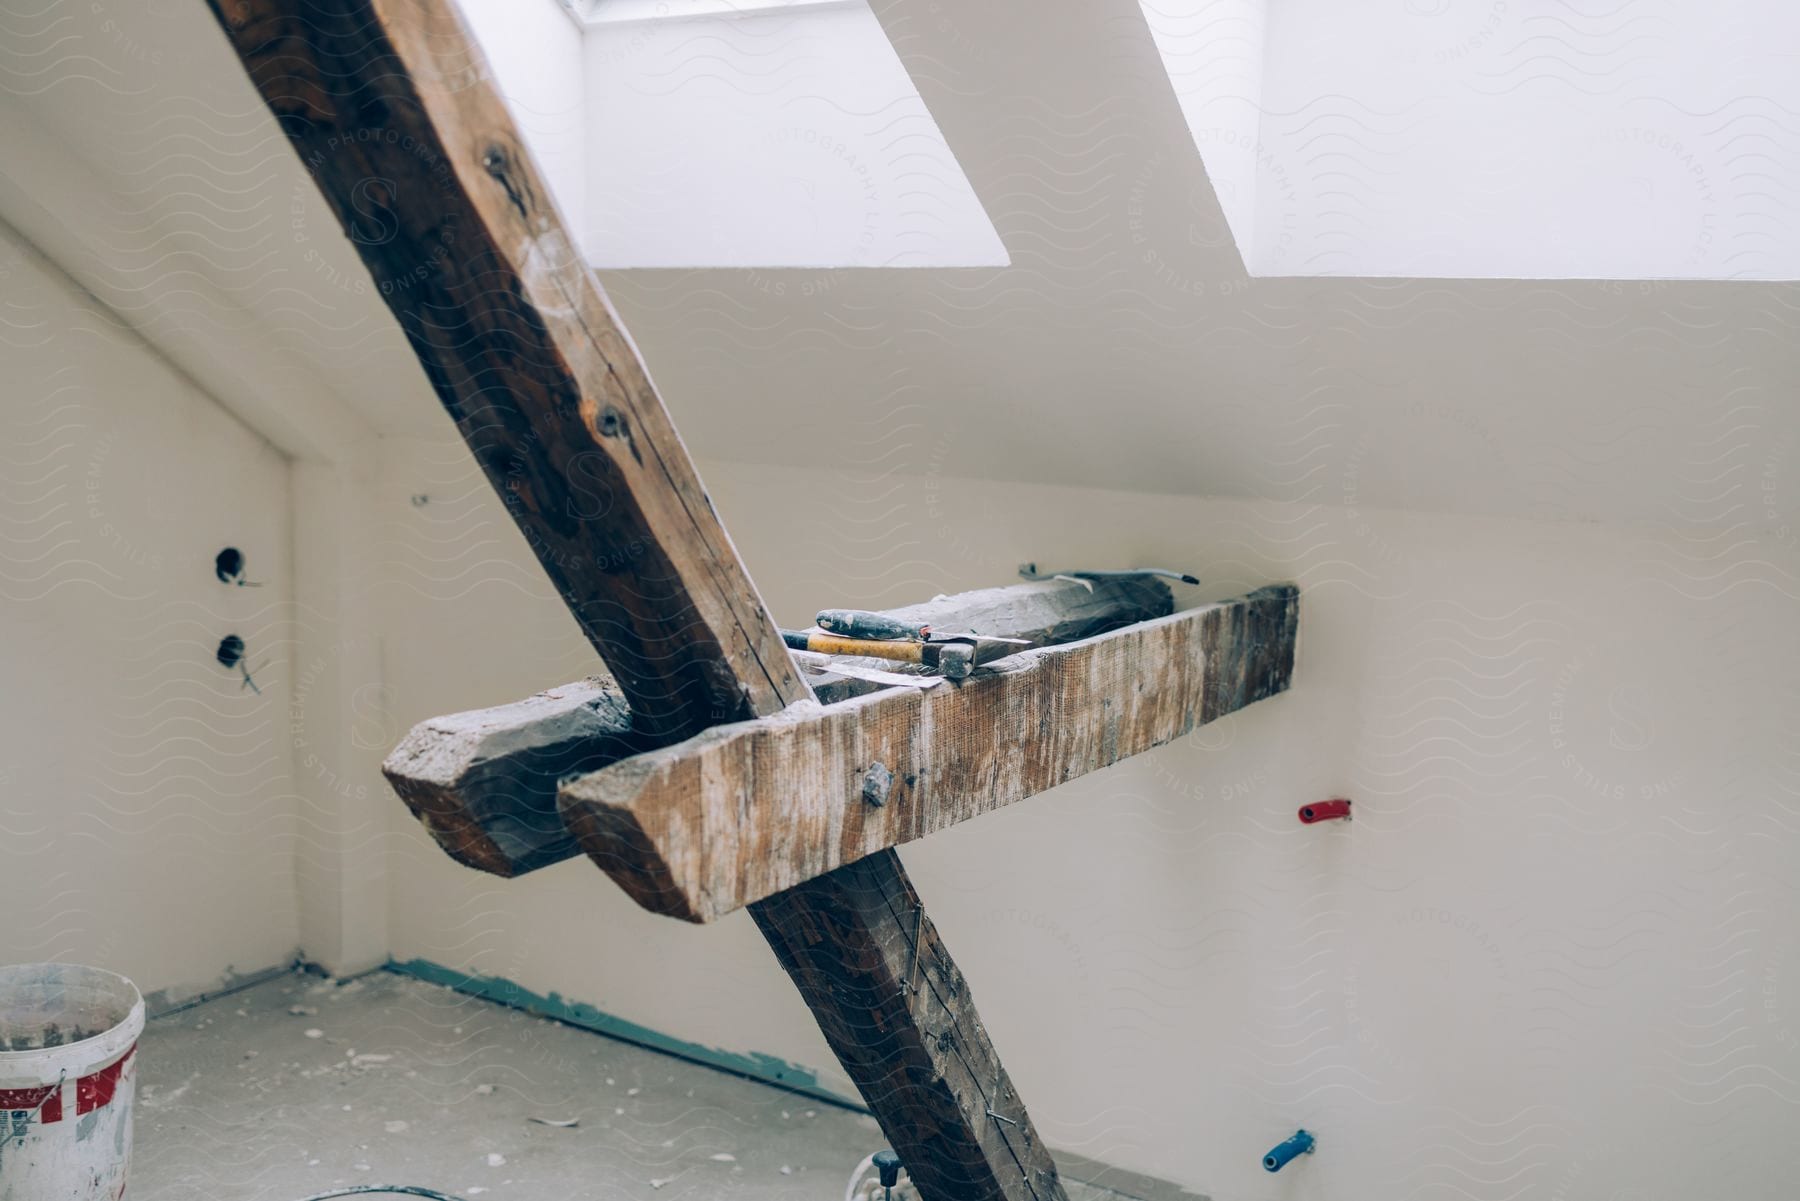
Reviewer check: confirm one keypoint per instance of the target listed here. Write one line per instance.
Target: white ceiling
(1585, 139)
(1124, 346)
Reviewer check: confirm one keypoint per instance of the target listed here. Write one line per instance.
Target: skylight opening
(711, 133)
(1495, 140)
(600, 12)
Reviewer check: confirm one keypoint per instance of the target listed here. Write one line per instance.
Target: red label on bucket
(92, 1092)
(96, 1090)
(27, 1100)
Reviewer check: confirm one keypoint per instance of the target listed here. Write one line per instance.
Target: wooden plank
(745, 810)
(484, 782)
(394, 113)
(900, 1017)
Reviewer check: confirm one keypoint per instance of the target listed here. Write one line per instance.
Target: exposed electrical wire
(407, 1190)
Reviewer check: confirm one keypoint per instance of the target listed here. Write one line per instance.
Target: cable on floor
(407, 1190)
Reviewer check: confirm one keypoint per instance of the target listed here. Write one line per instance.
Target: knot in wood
(877, 782)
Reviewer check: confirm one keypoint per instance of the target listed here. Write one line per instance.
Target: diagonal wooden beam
(745, 810)
(900, 1018)
(391, 108)
(484, 782)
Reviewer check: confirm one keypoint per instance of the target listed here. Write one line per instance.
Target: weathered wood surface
(745, 810)
(899, 1016)
(484, 782)
(394, 113)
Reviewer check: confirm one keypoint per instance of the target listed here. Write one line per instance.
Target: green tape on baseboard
(766, 1068)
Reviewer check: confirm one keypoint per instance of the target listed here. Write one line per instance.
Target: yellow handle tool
(953, 659)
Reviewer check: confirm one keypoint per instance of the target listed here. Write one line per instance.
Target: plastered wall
(147, 820)
(1551, 957)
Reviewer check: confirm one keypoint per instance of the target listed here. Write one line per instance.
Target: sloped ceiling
(1577, 140)
(1124, 347)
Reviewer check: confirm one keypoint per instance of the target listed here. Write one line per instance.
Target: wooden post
(390, 106)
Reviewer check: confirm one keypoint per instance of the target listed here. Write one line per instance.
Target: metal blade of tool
(861, 623)
(879, 627)
(1030, 571)
(811, 663)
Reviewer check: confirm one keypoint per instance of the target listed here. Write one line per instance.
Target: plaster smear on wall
(1552, 946)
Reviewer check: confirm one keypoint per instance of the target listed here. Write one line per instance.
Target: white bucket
(68, 1064)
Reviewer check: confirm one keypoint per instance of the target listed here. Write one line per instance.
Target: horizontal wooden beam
(745, 810)
(484, 782)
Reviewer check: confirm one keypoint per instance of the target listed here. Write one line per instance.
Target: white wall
(147, 821)
(1551, 957)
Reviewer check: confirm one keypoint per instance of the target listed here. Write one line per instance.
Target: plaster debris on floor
(302, 1084)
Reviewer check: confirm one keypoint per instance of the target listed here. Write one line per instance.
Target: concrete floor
(299, 1085)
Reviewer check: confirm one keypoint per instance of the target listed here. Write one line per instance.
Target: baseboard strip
(766, 1069)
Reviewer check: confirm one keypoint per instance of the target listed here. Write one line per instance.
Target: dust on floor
(299, 1085)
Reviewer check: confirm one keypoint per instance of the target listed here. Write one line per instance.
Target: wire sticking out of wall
(231, 654)
(228, 565)
(399, 1190)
